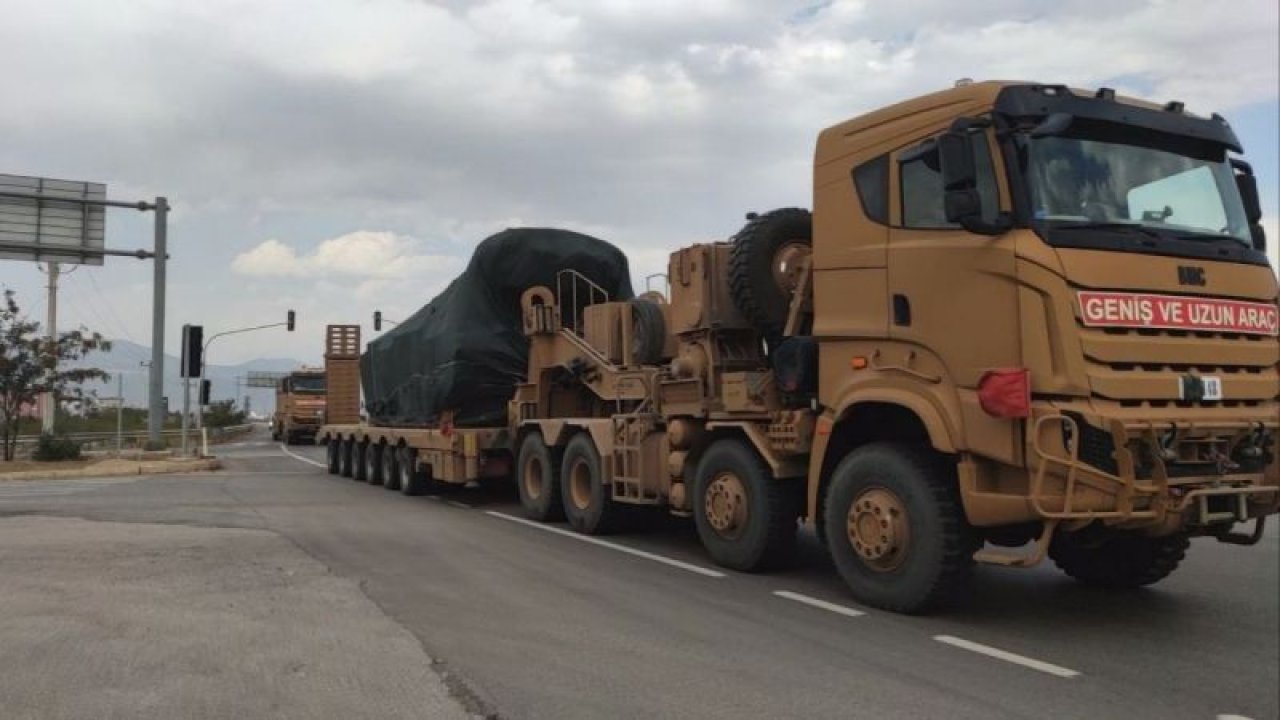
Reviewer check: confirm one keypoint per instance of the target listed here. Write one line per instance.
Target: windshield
(1081, 182)
(306, 384)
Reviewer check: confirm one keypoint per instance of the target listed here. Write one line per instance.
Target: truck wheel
(390, 468)
(358, 468)
(763, 262)
(745, 517)
(588, 500)
(895, 528)
(1117, 559)
(373, 463)
(348, 457)
(538, 479)
(333, 454)
(412, 480)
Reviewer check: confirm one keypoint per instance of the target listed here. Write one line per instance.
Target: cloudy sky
(338, 157)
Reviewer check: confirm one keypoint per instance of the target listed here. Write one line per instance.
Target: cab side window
(921, 179)
(872, 181)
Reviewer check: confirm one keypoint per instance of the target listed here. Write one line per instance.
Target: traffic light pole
(204, 358)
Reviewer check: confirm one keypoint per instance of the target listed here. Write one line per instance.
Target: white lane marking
(815, 602)
(1234, 717)
(1007, 656)
(456, 503)
(296, 456)
(707, 572)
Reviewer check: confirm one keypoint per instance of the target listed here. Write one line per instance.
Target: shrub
(56, 447)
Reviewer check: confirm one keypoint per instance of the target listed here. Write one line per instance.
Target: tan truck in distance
(1021, 321)
(300, 406)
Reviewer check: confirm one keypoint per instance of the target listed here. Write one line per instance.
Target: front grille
(1144, 367)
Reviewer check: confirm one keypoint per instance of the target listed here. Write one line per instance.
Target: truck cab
(1067, 295)
(300, 405)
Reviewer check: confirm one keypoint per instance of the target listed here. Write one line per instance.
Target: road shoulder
(103, 619)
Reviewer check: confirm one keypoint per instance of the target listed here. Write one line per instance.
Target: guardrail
(131, 439)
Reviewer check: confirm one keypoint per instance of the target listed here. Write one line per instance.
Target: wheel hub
(878, 529)
(787, 264)
(726, 504)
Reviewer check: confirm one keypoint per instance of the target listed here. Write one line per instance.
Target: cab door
(953, 299)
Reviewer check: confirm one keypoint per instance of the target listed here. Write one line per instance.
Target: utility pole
(119, 412)
(155, 386)
(48, 403)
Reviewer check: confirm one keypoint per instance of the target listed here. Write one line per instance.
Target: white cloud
(271, 257)
(362, 254)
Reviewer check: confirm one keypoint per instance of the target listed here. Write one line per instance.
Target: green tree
(31, 364)
(223, 414)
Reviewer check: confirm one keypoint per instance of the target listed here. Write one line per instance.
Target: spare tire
(762, 266)
(648, 332)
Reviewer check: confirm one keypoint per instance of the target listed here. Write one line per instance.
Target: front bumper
(1172, 473)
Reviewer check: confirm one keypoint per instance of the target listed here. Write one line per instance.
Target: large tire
(373, 463)
(753, 262)
(390, 467)
(745, 517)
(896, 529)
(333, 453)
(1117, 559)
(588, 499)
(413, 481)
(348, 458)
(538, 479)
(359, 470)
(648, 332)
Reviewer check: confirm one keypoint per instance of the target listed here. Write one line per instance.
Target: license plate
(1196, 388)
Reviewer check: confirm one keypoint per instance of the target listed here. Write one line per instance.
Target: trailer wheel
(745, 517)
(895, 528)
(348, 457)
(374, 463)
(390, 468)
(412, 480)
(538, 479)
(1117, 559)
(763, 265)
(333, 453)
(588, 501)
(359, 469)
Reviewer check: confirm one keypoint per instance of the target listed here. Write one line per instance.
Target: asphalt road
(530, 622)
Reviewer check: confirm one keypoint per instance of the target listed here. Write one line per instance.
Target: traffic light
(289, 322)
(205, 386)
(377, 320)
(192, 350)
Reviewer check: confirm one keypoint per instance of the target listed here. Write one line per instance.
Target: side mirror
(1247, 185)
(961, 202)
(955, 155)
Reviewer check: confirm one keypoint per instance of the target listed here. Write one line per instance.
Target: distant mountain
(125, 358)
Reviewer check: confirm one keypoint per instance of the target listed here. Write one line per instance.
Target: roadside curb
(117, 469)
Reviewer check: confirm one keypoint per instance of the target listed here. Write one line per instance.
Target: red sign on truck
(1174, 312)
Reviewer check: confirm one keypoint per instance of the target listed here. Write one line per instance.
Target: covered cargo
(465, 351)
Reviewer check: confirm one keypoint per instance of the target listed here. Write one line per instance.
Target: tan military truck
(300, 405)
(1021, 320)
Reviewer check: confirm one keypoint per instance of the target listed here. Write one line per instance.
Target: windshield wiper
(1158, 234)
(1148, 231)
